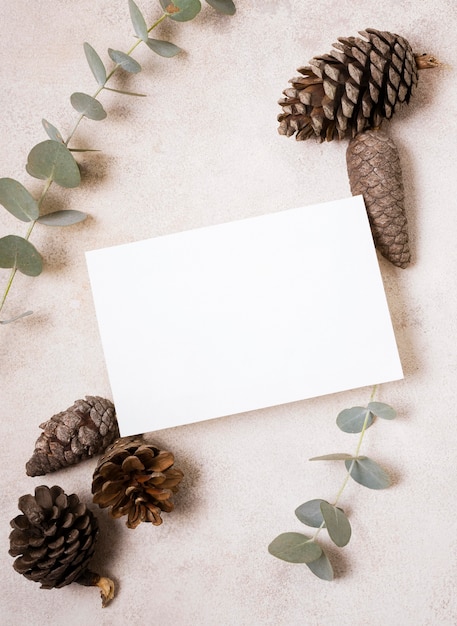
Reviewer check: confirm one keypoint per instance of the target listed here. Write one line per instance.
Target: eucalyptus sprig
(52, 160)
(297, 547)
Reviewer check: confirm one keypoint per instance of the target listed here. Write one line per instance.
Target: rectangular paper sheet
(239, 316)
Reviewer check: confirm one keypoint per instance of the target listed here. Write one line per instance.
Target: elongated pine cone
(54, 540)
(354, 87)
(374, 172)
(82, 431)
(136, 479)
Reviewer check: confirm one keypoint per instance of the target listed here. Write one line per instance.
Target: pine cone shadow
(109, 544)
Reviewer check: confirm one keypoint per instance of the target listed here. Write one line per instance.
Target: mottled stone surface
(203, 148)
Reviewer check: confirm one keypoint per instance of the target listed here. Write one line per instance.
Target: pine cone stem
(106, 585)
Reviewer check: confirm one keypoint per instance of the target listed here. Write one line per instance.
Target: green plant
(52, 160)
(297, 547)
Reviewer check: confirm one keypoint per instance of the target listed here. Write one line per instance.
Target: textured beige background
(201, 149)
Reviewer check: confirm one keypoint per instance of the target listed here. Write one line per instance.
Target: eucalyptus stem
(356, 454)
(69, 138)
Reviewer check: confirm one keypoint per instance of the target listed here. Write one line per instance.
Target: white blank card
(239, 316)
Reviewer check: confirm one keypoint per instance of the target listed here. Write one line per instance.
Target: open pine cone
(354, 87)
(54, 540)
(136, 479)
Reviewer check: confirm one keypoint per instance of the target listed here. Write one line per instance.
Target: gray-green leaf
(163, 48)
(310, 513)
(368, 473)
(181, 10)
(295, 548)
(17, 200)
(16, 252)
(336, 456)
(321, 567)
(66, 217)
(352, 420)
(54, 161)
(223, 6)
(125, 61)
(87, 106)
(17, 317)
(138, 21)
(384, 411)
(95, 63)
(52, 131)
(338, 526)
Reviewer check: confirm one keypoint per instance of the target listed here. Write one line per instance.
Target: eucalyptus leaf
(66, 217)
(181, 10)
(321, 567)
(83, 150)
(336, 456)
(17, 200)
(337, 524)
(384, 411)
(138, 21)
(87, 106)
(223, 6)
(51, 160)
(125, 61)
(295, 548)
(18, 253)
(310, 513)
(163, 48)
(52, 131)
(95, 63)
(352, 420)
(368, 473)
(18, 317)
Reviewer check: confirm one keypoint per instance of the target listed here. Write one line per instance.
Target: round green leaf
(17, 200)
(95, 64)
(321, 567)
(87, 106)
(336, 456)
(352, 420)
(54, 161)
(368, 473)
(181, 10)
(295, 548)
(125, 61)
(384, 411)
(310, 513)
(138, 21)
(67, 217)
(337, 524)
(16, 252)
(52, 131)
(163, 48)
(223, 6)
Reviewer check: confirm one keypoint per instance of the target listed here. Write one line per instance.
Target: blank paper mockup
(239, 316)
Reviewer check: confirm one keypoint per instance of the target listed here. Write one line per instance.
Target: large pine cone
(54, 539)
(374, 171)
(352, 88)
(136, 479)
(80, 432)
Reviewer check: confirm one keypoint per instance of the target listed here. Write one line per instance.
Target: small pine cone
(54, 540)
(136, 479)
(374, 172)
(80, 432)
(354, 87)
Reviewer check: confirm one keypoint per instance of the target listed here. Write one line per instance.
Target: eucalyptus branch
(52, 160)
(299, 548)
